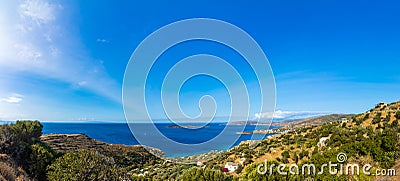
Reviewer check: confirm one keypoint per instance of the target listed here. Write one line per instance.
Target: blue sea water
(119, 133)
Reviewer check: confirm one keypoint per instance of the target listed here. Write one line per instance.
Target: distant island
(245, 132)
(187, 126)
(249, 122)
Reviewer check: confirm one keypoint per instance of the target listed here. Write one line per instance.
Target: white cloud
(82, 83)
(14, 98)
(27, 52)
(279, 114)
(102, 40)
(37, 10)
(32, 40)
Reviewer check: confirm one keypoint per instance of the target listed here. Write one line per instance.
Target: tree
(27, 131)
(296, 158)
(84, 165)
(376, 119)
(16, 140)
(379, 126)
(359, 121)
(285, 154)
(397, 115)
(366, 117)
(389, 140)
(199, 174)
(303, 153)
(239, 169)
(285, 160)
(40, 158)
(395, 123)
(387, 118)
(315, 151)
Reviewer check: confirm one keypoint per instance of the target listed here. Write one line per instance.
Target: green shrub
(199, 174)
(16, 140)
(84, 165)
(285, 154)
(40, 158)
(397, 115)
(377, 119)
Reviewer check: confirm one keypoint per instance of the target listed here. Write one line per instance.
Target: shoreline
(155, 151)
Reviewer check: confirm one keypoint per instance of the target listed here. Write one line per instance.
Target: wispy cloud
(279, 114)
(27, 52)
(101, 40)
(14, 98)
(82, 83)
(35, 41)
(37, 10)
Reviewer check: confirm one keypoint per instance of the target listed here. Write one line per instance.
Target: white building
(321, 142)
(231, 166)
(200, 163)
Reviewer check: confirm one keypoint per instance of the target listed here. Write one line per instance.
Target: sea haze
(119, 133)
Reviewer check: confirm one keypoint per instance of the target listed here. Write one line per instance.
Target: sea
(120, 133)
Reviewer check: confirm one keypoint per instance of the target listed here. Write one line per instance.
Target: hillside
(9, 170)
(27, 155)
(313, 121)
(365, 139)
(371, 137)
(122, 154)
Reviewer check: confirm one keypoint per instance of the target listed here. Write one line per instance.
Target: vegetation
(26, 155)
(21, 141)
(9, 170)
(199, 174)
(124, 156)
(397, 115)
(42, 156)
(84, 165)
(372, 138)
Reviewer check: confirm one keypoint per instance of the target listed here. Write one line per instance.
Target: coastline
(72, 142)
(121, 134)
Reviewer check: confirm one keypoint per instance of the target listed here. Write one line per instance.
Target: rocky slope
(122, 154)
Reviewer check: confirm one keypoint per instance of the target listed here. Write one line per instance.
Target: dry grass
(9, 171)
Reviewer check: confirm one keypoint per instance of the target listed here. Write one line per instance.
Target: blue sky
(65, 60)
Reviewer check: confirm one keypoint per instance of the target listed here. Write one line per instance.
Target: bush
(395, 123)
(315, 151)
(40, 158)
(16, 140)
(27, 131)
(296, 158)
(359, 121)
(397, 115)
(285, 154)
(7, 172)
(285, 160)
(83, 165)
(239, 169)
(377, 119)
(199, 174)
(303, 153)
